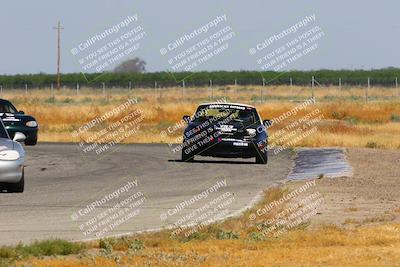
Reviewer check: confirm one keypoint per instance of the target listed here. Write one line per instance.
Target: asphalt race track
(61, 181)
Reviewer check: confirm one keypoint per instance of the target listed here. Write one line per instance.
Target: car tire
(261, 158)
(17, 187)
(187, 157)
(31, 142)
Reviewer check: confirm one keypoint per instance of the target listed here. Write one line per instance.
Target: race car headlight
(251, 132)
(31, 124)
(9, 155)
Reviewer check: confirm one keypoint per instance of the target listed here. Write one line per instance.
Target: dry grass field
(349, 118)
(236, 242)
(356, 225)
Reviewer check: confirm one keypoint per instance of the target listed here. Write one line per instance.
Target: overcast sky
(357, 33)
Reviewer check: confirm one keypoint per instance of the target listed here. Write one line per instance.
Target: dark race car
(226, 130)
(17, 121)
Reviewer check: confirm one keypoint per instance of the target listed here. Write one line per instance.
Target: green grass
(395, 118)
(52, 247)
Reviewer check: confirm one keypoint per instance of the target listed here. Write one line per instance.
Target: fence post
(26, 88)
(183, 88)
(366, 90)
(1, 89)
(104, 89)
(395, 81)
(340, 84)
(261, 92)
(155, 91)
(77, 88)
(291, 82)
(312, 86)
(130, 86)
(212, 90)
(235, 90)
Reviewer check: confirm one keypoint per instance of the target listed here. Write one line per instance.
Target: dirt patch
(371, 196)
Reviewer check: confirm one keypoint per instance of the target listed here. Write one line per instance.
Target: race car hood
(6, 144)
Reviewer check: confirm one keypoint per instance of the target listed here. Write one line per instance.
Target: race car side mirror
(21, 112)
(186, 118)
(267, 123)
(19, 137)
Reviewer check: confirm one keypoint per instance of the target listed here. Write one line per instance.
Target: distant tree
(132, 65)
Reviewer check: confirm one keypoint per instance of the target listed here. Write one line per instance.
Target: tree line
(382, 77)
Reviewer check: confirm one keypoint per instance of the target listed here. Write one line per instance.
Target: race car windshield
(245, 116)
(6, 107)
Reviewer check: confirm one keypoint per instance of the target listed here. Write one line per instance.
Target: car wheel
(261, 158)
(187, 157)
(31, 142)
(17, 187)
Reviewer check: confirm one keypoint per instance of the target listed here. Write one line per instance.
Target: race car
(12, 157)
(227, 130)
(17, 121)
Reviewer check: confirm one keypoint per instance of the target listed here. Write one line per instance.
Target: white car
(12, 157)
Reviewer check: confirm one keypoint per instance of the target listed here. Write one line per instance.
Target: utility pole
(58, 28)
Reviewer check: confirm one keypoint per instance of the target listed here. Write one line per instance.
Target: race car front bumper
(11, 171)
(31, 133)
(230, 148)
